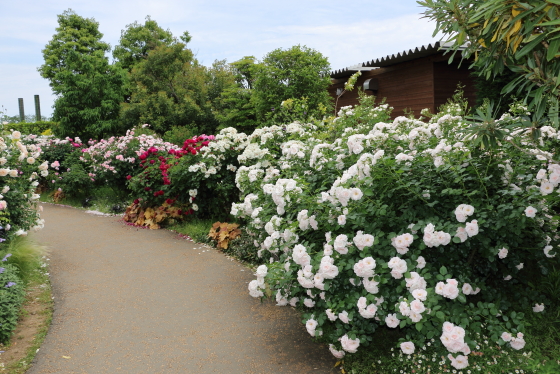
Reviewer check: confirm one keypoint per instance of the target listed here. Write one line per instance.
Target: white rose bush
(402, 224)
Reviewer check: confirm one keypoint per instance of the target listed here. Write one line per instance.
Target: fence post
(21, 111)
(37, 108)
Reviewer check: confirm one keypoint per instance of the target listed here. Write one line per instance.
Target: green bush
(178, 134)
(36, 128)
(11, 298)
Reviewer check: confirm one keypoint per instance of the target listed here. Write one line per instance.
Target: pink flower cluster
(402, 242)
(463, 211)
(362, 240)
(453, 338)
(398, 267)
(364, 267)
(449, 289)
(516, 342)
(434, 238)
(366, 311)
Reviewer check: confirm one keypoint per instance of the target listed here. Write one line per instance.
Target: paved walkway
(132, 301)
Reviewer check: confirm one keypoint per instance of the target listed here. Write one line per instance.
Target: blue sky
(347, 32)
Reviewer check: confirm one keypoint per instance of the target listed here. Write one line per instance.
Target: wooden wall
(447, 77)
(412, 85)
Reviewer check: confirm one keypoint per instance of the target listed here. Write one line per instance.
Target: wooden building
(411, 80)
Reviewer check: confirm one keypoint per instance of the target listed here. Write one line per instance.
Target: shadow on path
(129, 300)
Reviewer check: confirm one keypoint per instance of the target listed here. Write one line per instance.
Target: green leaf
(440, 315)
(443, 270)
(419, 326)
(530, 46)
(553, 49)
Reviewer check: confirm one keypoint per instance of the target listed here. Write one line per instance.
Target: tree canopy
(88, 88)
(137, 40)
(291, 74)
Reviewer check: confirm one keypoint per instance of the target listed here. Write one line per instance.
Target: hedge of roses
(197, 178)
(402, 224)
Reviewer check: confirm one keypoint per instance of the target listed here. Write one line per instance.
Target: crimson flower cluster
(153, 155)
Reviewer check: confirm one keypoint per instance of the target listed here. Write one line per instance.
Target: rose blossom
(517, 343)
(392, 321)
(344, 316)
(420, 294)
(337, 354)
(407, 348)
(538, 308)
(503, 253)
(530, 212)
(311, 325)
(506, 336)
(349, 345)
(547, 250)
(331, 315)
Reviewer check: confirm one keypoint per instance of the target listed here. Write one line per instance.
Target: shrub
(38, 127)
(403, 224)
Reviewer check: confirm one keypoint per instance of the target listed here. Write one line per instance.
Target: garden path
(132, 301)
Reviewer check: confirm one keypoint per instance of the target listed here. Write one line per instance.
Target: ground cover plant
(404, 224)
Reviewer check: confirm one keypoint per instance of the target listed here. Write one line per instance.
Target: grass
(25, 255)
(196, 229)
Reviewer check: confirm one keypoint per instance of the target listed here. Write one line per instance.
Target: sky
(347, 32)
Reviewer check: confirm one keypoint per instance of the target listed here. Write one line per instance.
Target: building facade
(409, 81)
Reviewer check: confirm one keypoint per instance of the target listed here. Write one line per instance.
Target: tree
(235, 107)
(294, 73)
(137, 40)
(171, 89)
(521, 36)
(88, 88)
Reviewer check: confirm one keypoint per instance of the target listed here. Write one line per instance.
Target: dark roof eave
(411, 54)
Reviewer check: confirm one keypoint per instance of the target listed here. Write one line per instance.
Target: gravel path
(129, 300)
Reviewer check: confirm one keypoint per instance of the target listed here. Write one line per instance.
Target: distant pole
(21, 111)
(37, 108)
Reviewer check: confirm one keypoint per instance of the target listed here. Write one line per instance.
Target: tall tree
(171, 89)
(88, 88)
(137, 40)
(234, 107)
(295, 73)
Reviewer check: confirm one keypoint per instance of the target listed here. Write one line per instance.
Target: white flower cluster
(257, 285)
